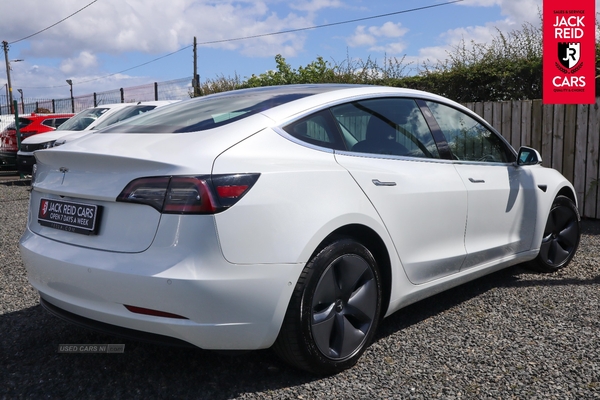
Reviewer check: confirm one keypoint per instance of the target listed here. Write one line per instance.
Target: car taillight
(208, 194)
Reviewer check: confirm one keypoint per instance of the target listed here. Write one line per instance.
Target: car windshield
(123, 114)
(209, 112)
(82, 120)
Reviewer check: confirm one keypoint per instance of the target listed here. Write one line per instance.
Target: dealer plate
(69, 216)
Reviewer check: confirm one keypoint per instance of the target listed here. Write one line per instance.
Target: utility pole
(196, 78)
(10, 98)
(70, 82)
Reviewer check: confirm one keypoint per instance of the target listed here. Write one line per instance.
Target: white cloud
(376, 38)
(152, 26)
(516, 14)
(316, 5)
(85, 61)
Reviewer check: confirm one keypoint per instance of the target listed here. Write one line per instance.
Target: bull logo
(569, 54)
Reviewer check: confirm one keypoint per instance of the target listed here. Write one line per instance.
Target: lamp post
(70, 82)
(22, 102)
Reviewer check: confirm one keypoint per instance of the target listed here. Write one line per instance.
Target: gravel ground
(510, 335)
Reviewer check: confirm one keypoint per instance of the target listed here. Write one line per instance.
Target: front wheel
(334, 310)
(561, 237)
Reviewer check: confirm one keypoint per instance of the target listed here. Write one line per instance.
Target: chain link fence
(178, 89)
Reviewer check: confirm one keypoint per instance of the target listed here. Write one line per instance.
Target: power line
(53, 25)
(263, 35)
(331, 24)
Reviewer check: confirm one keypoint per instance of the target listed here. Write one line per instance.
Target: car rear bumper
(25, 163)
(8, 158)
(110, 329)
(225, 306)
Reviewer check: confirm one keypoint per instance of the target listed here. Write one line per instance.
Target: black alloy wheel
(334, 311)
(561, 236)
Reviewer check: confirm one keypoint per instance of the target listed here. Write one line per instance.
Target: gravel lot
(511, 335)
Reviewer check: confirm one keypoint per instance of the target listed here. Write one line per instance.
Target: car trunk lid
(84, 175)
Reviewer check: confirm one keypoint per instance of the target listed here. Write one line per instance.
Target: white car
(294, 217)
(79, 125)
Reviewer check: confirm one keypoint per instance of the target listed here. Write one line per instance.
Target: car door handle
(377, 182)
(476, 180)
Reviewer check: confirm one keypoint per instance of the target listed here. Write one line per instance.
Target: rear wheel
(561, 237)
(334, 311)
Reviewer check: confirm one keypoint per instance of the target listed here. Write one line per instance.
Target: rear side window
(23, 123)
(54, 122)
(317, 129)
(392, 126)
(59, 121)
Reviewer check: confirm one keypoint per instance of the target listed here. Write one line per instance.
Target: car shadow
(513, 277)
(33, 367)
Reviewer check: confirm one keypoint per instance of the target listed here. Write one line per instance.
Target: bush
(508, 68)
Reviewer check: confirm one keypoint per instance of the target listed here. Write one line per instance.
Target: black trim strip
(113, 330)
(436, 131)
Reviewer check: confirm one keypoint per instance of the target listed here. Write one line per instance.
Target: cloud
(516, 14)
(152, 26)
(85, 61)
(316, 5)
(376, 38)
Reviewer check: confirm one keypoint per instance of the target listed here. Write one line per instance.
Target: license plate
(69, 216)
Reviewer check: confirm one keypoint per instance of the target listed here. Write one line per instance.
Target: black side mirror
(528, 156)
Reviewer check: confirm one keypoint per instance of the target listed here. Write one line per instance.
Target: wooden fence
(567, 136)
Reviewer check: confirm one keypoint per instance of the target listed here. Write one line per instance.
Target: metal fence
(567, 136)
(179, 89)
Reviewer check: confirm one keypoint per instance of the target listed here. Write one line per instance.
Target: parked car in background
(29, 125)
(294, 216)
(6, 120)
(81, 124)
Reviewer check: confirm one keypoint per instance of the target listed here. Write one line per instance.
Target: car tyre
(561, 237)
(334, 310)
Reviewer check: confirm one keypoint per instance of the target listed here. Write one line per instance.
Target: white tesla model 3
(295, 217)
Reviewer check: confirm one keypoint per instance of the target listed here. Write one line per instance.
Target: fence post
(122, 95)
(155, 91)
(17, 130)
(53, 106)
(95, 100)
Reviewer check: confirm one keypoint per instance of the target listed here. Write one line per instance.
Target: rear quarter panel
(301, 197)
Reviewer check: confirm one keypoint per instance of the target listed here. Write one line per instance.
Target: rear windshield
(23, 122)
(123, 114)
(209, 112)
(82, 120)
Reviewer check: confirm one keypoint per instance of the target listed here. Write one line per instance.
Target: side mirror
(528, 156)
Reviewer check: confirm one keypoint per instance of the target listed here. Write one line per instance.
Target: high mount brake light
(208, 194)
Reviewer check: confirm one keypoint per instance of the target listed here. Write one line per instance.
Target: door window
(392, 126)
(468, 139)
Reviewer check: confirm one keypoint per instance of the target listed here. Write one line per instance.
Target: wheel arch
(567, 192)
(375, 244)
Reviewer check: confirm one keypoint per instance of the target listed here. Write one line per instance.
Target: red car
(28, 125)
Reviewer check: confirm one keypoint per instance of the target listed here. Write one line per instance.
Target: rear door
(420, 197)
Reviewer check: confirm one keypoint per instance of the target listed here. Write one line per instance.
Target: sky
(103, 45)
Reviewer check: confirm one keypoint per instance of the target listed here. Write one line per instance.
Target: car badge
(64, 171)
